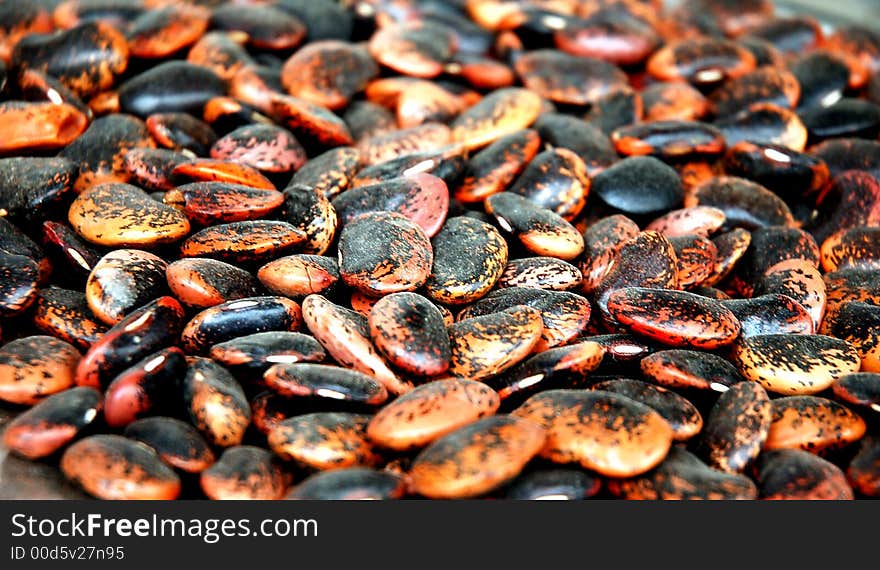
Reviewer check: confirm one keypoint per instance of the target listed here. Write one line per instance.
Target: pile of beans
(441, 249)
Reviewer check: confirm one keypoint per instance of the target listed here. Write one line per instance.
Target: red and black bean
(586, 140)
(181, 132)
(345, 334)
(299, 275)
(238, 318)
(144, 388)
(486, 345)
(493, 168)
(64, 244)
(500, 113)
(669, 140)
(268, 148)
(177, 442)
(745, 204)
(53, 423)
(31, 185)
(121, 215)
(65, 314)
(540, 273)
(328, 72)
(324, 440)
(384, 252)
(794, 364)
(430, 411)
(242, 242)
(565, 315)
(152, 168)
(39, 126)
(798, 475)
(202, 282)
(737, 427)
(859, 388)
(34, 367)
(764, 123)
(690, 369)
(19, 285)
(422, 198)
(123, 280)
(553, 484)
(170, 87)
(676, 318)
(86, 58)
(644, 260)
(538, 229)
(244, 472)
(764, 85)
(215, 402)
(419, 49)
(477, 458)
(602, 242)
(324, 381)
(331, 172)
(771, 313)
(639, 185)
(863, 471)
(813, 424)
(694, 221)
(209, 203)
(309, 211)
(349, 484)
(789, 173)
(563, 366)
(410, 332)
(211, 170)
(259, 351)
(99, 152)
(469, 258)
(113, 467)
(580, 430)
(683, 476)
(271, 28)
(701, 61)
(683, 417)
(162, 32)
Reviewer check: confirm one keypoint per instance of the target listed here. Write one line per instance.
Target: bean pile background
(439, 250)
